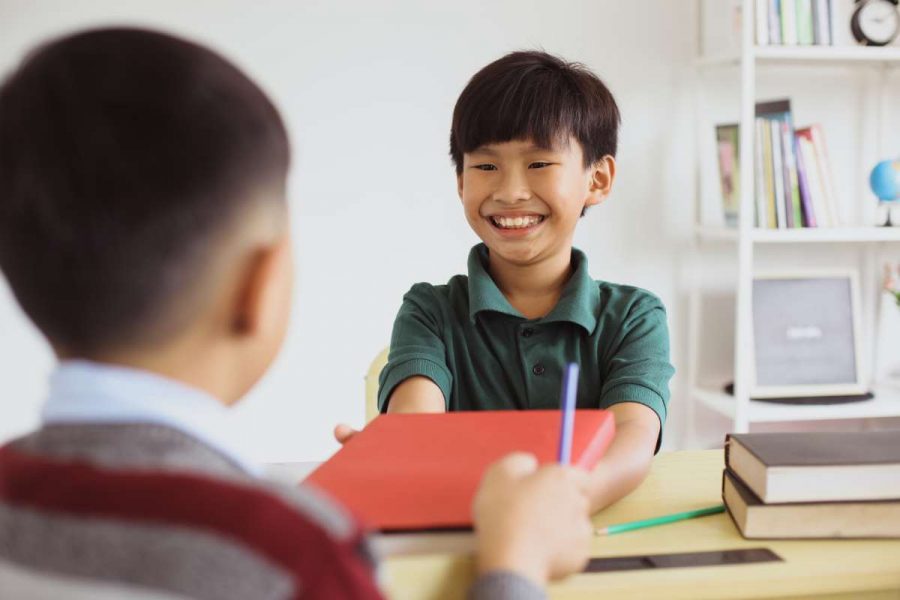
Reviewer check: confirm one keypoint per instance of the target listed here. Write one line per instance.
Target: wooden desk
(678, 481)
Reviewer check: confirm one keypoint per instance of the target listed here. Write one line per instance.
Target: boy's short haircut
(124, 153)
(537, 96)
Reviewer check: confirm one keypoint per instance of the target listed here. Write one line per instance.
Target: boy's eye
(485, 167)
(539, 164)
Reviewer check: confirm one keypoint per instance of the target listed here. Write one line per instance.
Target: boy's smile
(516, 224)
(524, 200)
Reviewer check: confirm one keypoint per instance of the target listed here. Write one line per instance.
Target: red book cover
(420, 471)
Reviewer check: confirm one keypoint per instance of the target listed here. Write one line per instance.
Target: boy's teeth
(516, 222)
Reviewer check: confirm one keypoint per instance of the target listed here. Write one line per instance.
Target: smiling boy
(533, 140)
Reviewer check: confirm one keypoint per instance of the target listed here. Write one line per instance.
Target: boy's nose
(513, 188)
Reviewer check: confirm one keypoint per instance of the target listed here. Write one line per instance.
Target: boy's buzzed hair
(537, 96)
(124, 154)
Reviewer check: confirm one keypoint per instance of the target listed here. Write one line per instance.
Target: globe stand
(888, 214)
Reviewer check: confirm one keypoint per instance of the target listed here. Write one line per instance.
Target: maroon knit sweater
(149, 508)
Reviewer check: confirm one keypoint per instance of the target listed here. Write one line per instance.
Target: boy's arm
(417, 394)
(636, 391)
(628, 458)
(416, 377)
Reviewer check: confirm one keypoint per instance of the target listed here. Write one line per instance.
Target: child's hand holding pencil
(534, 521)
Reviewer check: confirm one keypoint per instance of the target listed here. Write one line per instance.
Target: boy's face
(524, 201)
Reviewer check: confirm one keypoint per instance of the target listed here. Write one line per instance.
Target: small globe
(885, 180)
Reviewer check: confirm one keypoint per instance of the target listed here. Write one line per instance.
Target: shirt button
(527, 332)
(538, 369)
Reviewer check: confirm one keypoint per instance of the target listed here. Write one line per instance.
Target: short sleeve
(638, 367)
(417, 345)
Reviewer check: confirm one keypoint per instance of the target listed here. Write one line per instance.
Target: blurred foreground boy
(143, 229)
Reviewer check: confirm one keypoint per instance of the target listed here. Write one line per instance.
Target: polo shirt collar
(579, 302)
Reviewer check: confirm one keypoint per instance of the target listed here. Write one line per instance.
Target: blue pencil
(567, 401)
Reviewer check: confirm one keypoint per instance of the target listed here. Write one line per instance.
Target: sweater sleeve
(504, 585)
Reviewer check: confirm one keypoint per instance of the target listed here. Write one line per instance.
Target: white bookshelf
(865, 242)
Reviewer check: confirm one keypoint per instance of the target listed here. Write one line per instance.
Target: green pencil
(691, 514)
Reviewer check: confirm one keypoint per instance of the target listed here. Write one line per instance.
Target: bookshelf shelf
(886, 403)
(852, 235)
(809, 56)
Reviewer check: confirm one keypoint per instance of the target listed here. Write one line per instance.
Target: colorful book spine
(792, 187)
(778, 174)
(771, 214)
(822, 20)
(761, 8)
(728, 146)
(805, 25)
(775, 22)
(789, 22)
(759, 162)
(816, 189)
(786, 176)
(809, 215)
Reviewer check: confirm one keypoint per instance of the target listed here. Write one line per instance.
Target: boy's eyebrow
(530, 148)
(483, 150)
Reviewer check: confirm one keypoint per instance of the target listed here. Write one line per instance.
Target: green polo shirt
(484, 355)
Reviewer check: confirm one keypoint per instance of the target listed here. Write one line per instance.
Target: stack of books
(795, 22)
(793, 183)
(813, 485)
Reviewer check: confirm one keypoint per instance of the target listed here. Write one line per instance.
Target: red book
(420, 471)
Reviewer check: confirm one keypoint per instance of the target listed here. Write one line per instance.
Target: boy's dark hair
(124, 154)
(535, 95)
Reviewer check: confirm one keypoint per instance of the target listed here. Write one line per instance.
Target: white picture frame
(806, 334)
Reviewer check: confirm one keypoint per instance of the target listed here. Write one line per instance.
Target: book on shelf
(778, 163)
(728, 152)
(849, 519)
(817, 466)
(813, 138)
(768, 191)
(793, 204)
(789, 22)
(794, 22)
(765, 213)
(823, 22)
(805, 23)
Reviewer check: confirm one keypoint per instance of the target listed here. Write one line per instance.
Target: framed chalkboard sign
(806, 335)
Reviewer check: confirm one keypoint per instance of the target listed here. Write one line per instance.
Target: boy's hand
(344, 433)
(534, 521)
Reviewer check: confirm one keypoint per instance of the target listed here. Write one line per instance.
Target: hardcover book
(407, 472)
(817, 466)
(854, 519)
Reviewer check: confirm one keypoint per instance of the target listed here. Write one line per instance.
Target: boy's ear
(603, 173)
(264, 297)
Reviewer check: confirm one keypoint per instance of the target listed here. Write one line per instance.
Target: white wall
(367, 89)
